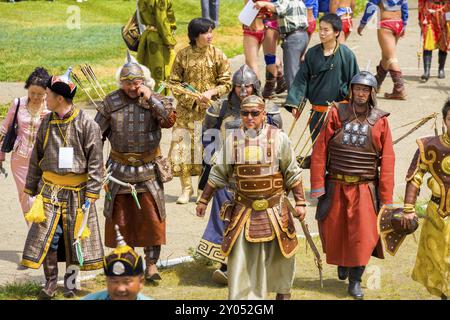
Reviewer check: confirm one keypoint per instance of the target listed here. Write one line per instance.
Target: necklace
(356, 117)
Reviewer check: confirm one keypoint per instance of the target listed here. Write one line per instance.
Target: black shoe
(354, 289)
(342, 273)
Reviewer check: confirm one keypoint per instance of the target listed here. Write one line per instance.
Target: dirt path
(183, 228)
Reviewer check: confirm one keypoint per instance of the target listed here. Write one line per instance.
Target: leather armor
(134, 131)
(351, 151)
(258, 206)
(434, 157)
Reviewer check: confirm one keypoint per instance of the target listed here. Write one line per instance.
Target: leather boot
(50, 265)
(269, 86)
(281, 80)
(283, 296)
(69, 289)
(354, 283)
(442, 58)
(342, 272)
(399, 92)
(186, 190)
(151, 271)
(220, 275)
(380, 76)
(427, 56)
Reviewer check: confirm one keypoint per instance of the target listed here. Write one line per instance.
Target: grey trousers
(210, 10)
(294, 46)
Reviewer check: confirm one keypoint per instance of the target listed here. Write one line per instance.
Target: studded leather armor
(351, 151)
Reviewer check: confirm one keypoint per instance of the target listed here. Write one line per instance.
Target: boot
(221, 275)
(186, 190)
(427, 56)
(50, 265)
(283, 296)
(399, 92)
(269, 87)
(281, 80)
(380, 76)
(442, 58)
(151, 257)
(354, 283)
(69, 289)
(342, 272)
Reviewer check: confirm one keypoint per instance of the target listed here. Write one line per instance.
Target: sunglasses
(245, 113)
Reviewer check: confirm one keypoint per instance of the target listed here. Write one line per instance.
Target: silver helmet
(245, 76)
(367, 79)
(131, 70)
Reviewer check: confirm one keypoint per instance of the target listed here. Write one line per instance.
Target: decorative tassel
(36, 213)
(78, 223)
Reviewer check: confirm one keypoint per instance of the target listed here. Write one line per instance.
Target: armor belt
(259, 204)
(135, 159)
(349, 179)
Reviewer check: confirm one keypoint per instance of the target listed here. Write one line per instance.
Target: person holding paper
(65, 174)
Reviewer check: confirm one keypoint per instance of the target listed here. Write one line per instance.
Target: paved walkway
(183, 228)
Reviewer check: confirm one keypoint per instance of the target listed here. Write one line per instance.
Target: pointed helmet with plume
(63, 85)
(133, 70)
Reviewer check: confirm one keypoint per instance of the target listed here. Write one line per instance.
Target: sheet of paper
(248, 14)
(447, 16)
(65, 158)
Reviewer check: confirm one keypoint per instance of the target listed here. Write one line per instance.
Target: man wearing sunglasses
(259, 232)
(220, 117)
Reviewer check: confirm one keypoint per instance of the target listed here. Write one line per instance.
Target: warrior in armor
(207, 70)
(352, 174)
(433, 256)
(393, 16)
(223, 116)
(344, 9)
(259, 232)
(65, 174)
(434, 22)
(131, 119)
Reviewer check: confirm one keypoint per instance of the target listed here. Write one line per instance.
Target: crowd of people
(247, 165)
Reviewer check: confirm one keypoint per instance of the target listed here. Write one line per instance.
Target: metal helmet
(253, 101)
(131, 70)
(367, 79)
(245, 76)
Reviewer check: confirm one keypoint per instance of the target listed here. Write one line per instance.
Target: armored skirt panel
(351, 151)
(435, 153)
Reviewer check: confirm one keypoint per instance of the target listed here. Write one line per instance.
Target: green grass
(20, 291)
(35, 33)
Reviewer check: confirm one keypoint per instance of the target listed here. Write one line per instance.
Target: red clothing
(434, 25)
(347, 25)
(349, 231)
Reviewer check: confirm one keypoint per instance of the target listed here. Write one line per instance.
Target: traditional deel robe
(64, 189)
(222, 116)
(434, 21)
(204, 69)
(432, 267)
(156, 43)
(27, 127)
(322, 80)
(353, 163)
(133, 128)
(259, 233)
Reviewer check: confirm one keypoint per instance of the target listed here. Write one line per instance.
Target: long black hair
(198, 26)
(38, 77)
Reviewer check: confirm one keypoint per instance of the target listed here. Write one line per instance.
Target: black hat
(123, 261)
(62, 85)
